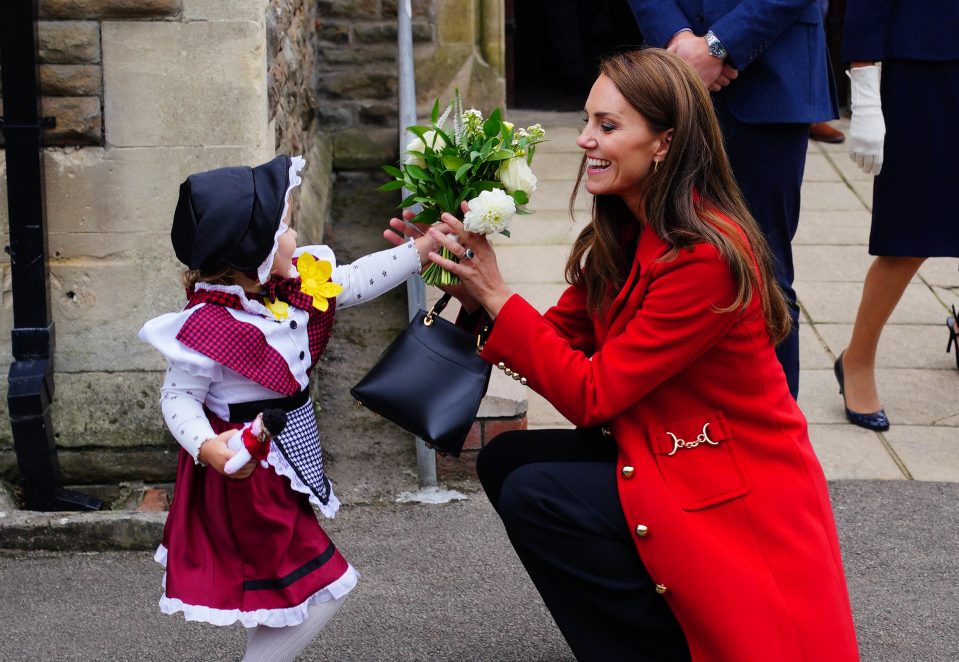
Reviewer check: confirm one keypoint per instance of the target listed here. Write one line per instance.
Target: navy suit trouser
(557, 495)
(768, 161)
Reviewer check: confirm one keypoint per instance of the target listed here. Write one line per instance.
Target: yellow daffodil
(280, 309)
(314, 275)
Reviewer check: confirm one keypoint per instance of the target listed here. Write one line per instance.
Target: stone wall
(456, 43)
(175, 87)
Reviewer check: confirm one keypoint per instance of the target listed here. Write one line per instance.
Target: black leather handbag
(429, 380)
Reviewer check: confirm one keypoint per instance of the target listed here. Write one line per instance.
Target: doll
(253, 440)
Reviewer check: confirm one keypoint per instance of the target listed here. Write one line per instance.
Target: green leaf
(473, 155)
(520, 197)
(417, 172)
(411, 200)
(505, 233)
(462, 170)
(391, 186)
(465, 194)
(487, 147)
(487, 186)
(529, 157)
(491, 126)
(396, 172)
(453, 162)
(428, 216)
(501, 155)
(435, 115)
(524, 212)
(418, 131)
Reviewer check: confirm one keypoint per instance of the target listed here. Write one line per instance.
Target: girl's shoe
(953, 336)
(876, 422)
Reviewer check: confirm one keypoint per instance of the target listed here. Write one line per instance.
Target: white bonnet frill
(297, 163)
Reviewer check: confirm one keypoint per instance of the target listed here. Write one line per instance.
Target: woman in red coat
(687, 516)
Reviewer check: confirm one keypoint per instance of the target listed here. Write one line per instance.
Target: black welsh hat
(230, 216)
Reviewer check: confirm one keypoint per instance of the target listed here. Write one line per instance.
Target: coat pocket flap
(708, 430)
(697, 458)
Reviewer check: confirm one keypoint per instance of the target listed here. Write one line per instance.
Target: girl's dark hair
(225, 275)
(669, 94)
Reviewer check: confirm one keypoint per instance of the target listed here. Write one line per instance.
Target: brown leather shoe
(822, 132)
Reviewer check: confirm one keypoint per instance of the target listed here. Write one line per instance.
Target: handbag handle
(438, 308)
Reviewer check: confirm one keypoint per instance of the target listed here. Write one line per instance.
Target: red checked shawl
(241, 346)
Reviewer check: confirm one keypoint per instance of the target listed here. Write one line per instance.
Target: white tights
(264, 644)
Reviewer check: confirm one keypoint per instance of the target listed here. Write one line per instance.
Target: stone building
(146, 92)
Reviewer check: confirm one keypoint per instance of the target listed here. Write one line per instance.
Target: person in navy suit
(766, 64)
(914, 202)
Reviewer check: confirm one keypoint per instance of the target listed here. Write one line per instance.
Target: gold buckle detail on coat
(702, 438)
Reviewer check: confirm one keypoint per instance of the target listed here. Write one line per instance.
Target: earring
(655, 166)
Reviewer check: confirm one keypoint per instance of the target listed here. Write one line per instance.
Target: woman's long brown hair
(668, 93)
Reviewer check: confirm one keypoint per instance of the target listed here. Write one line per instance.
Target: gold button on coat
(522, 381)
(508, 372)
(628, 472)
(516, 376)
(605, 431)
(501, 365)
(641, 530)
(660, 589)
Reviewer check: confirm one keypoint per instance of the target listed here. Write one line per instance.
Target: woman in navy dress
(904, 131)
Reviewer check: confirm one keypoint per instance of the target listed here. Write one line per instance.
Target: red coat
(737, 528)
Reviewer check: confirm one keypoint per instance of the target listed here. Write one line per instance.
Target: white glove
(867, 130)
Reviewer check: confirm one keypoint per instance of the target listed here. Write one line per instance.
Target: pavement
(918, 382)
(442, 584)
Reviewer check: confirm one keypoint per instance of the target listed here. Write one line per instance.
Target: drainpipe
(415, 287)
(30, 380)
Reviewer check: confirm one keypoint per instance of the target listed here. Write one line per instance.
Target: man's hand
(715, 73)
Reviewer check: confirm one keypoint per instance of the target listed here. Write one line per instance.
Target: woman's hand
(479, 275)
(216, 453)
(426, 243)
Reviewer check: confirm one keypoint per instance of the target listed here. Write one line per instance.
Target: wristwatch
(716, 48)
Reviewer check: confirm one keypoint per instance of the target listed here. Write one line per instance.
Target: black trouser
(768, 161)
(556, 493)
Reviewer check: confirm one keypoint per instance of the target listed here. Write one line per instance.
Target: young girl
(247, 547)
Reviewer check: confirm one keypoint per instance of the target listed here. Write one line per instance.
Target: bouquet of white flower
(485, 162)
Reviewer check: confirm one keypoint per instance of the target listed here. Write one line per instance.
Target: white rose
(517, 176)
(490, 212)
(435, 141)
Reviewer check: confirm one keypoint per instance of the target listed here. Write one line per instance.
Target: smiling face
(620, 146)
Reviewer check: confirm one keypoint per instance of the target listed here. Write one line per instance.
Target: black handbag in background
(429, 380)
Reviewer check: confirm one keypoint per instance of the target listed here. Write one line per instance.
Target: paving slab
(825, 263)
(930, 453)
(543, 227)
(819, 169)
(918, 397)
(900, 346)
(532, 264)
(562, 166)
(941, 271)
(543, 414)
(542, 296)
(847, 452)
(812, 354)
(829, 196)
(838, 302)
(554, 195)
(849, 227)
(819, 397)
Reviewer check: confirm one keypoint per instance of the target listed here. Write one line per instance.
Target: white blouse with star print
(193, 379)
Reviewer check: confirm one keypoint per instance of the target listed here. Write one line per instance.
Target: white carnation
(490, 212)
(516, 175)
(417, 145)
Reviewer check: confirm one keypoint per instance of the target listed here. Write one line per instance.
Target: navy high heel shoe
(876, 422)
(953, 336)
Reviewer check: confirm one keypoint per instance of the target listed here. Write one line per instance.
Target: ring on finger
(468, 255)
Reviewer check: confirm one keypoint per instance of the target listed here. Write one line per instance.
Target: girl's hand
(480, 275)
(215, 453)
(426, 244)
